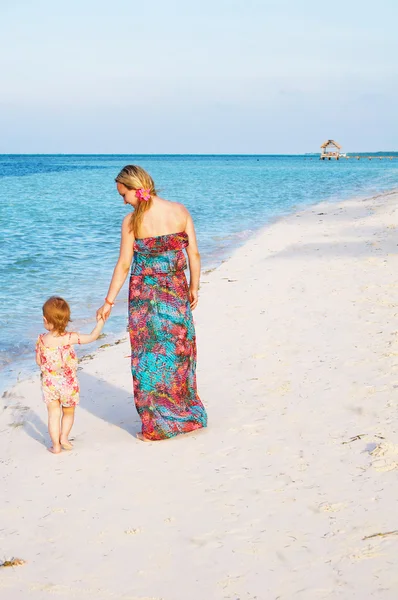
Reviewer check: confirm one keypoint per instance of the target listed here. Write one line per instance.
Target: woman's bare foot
(142, 438)
(66, 445)
(54, 449)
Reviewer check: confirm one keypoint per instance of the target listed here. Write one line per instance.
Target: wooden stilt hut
(330, 149)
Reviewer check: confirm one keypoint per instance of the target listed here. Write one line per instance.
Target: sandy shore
(285, 495)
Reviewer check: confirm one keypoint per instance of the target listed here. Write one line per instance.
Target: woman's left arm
(121, 269)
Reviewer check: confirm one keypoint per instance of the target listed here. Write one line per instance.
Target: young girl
(57, 360)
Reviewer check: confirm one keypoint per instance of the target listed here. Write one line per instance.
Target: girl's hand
(104, 312)
(193, 298)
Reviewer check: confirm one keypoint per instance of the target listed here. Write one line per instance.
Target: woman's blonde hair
(57, 312)
(136, 178)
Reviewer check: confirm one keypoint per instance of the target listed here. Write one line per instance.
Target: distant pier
(363, 157)
(357, 157)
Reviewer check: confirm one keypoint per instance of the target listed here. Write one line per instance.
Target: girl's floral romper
(58, 373)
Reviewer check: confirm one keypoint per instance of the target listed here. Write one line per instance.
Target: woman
(162, 333)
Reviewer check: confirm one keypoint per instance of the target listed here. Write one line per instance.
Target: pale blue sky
(210, 76)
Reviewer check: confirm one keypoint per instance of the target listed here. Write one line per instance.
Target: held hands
(193, 298)
(104, 312)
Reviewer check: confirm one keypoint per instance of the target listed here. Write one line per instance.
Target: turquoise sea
(60, 218)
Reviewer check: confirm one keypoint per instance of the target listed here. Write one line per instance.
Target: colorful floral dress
(58, 365)
(163, 343)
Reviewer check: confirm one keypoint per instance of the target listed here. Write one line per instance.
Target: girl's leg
(54, 416)
(68, 417)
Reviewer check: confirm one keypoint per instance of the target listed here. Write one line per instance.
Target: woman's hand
(193, 298)
(104, 312)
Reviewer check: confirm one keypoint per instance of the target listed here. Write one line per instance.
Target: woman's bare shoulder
(174, 209)
(126, 224)
(170, 204)
(182, 208)
(126, 220)
(177, 207)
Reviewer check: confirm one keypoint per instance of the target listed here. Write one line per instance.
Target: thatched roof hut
(330, 149)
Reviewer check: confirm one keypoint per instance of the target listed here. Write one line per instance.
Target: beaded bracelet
(109, 302)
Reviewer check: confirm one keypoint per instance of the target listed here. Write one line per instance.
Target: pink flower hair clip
(143, 195)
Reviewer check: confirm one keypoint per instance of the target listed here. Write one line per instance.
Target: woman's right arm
(194, 263)
(121, 269)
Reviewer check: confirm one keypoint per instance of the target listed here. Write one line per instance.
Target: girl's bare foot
(54, 449)
(142, 438)
(66, 445)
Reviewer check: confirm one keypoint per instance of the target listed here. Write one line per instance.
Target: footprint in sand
(133, 531)
(369, 552)
(326, 507)
(210, 540)
(283, 389)
(385, 457)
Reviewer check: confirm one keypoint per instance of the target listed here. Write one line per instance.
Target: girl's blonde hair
(57, 312)
(136, 178)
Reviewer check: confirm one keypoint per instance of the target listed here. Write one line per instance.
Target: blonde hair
(135, 178)
(57, 312)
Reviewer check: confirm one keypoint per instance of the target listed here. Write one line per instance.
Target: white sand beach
(291, 492)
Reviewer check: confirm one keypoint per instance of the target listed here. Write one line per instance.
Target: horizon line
(182, 154)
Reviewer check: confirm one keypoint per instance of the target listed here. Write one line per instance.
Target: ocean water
(60, 219)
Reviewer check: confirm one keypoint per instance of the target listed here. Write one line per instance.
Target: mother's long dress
(163, 343)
